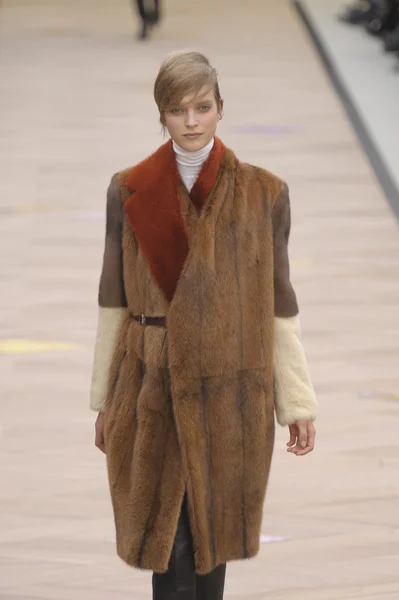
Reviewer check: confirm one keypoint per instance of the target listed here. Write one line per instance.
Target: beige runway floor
(75, 106)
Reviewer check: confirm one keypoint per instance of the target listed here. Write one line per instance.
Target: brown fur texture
(191, 407)
(285, 298)
(111, 290)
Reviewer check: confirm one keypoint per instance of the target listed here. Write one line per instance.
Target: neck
(189, 163)
(185, 157)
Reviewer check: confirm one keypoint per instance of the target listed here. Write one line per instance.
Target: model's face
(193, 123)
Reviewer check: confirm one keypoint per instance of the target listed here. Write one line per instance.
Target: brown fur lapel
(207, 176)
(154, 210)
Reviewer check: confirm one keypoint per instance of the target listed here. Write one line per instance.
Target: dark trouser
(151, 14)
(181, 582)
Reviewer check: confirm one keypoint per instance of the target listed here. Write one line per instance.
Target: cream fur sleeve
(109, 323)
(294, 394)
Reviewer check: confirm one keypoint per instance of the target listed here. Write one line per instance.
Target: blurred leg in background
(384, 19)
(391, 38)
(378, 16)
(359, 12)
(149, 11)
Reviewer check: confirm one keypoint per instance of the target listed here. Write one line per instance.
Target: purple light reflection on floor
(271, 539)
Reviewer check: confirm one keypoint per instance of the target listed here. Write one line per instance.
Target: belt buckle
(142, 320)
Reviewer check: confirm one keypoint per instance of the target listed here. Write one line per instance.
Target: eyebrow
(197, 101)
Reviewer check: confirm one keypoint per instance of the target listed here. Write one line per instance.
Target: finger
(293, 435)
(99, 441)
(295, 449)
(303, 451)
(303, 434)
(292, 439)
(101, 447)
(311, 436)
(310, 442)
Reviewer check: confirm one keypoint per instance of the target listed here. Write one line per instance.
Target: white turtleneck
(190, 163)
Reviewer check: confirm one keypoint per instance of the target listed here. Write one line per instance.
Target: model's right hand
(100, 442)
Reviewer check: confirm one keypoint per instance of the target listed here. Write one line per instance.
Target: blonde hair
(183, 73)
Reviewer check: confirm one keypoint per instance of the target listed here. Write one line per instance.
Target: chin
(194, 144)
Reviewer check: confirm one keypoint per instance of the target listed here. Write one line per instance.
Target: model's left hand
(302, 437)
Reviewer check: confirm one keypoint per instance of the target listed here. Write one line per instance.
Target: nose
(191, 120)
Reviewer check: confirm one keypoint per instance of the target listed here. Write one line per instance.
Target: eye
(175, 111)
(204, 107)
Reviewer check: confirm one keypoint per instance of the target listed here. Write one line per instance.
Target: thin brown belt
(154, 321)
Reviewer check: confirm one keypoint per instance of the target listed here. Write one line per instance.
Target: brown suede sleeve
(112, 289)
(285, 302)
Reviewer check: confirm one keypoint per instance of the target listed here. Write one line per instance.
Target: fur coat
(189, 408)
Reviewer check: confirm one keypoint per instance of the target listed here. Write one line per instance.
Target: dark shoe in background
(358, 14)
(384, 18)
(391, 41)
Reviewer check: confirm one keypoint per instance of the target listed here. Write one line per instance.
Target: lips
(192, 135)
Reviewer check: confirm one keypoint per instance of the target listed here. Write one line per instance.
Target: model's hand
(100, 443)
(302, 436)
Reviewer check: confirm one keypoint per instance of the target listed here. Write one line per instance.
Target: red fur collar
(154, 210)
